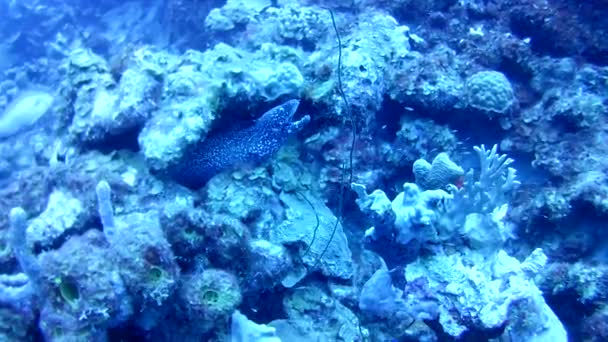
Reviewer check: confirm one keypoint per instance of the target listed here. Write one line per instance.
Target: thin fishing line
(352, 145)
(314, 233)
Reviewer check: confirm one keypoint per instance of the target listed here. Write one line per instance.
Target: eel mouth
(290, 107)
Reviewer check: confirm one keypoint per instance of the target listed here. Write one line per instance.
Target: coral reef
(185, 170)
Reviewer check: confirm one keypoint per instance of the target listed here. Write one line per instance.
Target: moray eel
(253, 144)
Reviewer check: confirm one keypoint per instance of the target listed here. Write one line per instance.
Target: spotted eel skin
(253, 144)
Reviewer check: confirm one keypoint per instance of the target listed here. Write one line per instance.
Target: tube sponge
(212, 294)
(104, 207)
(17, 234)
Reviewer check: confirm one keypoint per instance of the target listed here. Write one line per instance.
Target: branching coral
(431, 216)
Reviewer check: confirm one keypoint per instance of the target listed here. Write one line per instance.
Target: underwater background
(306, 170)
